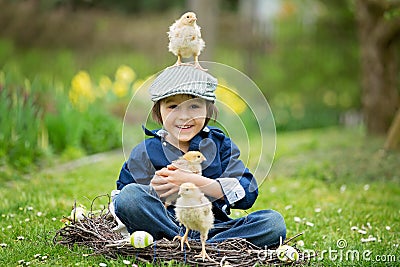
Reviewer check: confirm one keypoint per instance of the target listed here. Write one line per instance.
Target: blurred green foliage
(126, 6)
(34, 62)
(20, 129)
(307, 67)
(40, 120)
(307, 71)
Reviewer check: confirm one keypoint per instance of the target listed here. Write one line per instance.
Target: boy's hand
(162, 186)
(167, 180)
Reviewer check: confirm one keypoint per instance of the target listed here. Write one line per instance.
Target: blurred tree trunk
(256, 28)
(207, 12)
(248, 38)
(378, 37)
(393, 137)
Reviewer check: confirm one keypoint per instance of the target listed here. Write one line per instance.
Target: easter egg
(287, 253)
(141, 239)
(78, 213)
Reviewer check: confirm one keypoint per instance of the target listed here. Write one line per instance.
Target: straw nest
(95, 231)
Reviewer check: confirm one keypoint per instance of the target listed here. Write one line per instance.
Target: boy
(184, 102)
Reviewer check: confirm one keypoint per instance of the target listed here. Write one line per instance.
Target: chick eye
(198, 156)
(188, 17)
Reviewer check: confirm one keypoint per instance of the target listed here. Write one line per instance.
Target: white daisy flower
(363, 232)
(310, 224)
(297, 219)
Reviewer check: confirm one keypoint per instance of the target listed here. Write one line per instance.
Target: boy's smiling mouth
(184, 127)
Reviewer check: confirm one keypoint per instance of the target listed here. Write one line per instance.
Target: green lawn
(324, 182)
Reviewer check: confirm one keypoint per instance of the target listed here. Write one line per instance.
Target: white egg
(78, 213)
(141, 239)
(287, 253)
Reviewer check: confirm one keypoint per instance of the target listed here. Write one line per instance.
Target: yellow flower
(82, 84)
(230, 98)
(125, 74)
(105, 84)
(120, 89)
(81, 92)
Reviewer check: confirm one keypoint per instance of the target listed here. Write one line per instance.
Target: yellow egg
(141, 239)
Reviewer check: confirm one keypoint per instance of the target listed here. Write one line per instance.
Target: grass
(333, 178)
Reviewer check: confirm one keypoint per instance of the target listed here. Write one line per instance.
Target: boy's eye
(194, 106)
(172, 106)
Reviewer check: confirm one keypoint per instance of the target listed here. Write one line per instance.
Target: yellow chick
(194, 211)
(190, 162)
(185, 39)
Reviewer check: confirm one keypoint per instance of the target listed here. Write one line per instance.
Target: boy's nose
(184, 117)
(183, 111)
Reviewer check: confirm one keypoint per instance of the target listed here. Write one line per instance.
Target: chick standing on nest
(190, 162)
(194, 211)
(185, 39)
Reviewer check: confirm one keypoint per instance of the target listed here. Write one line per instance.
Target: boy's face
(183, 117)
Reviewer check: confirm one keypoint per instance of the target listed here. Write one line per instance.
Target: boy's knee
(134, 191)
(130, 197)
(280, 225)
(276, 225)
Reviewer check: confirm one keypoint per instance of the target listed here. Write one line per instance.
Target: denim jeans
(139, 208)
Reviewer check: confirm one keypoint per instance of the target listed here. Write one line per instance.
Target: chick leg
(197, 64)
(203, 254)
(179, 62)
(184, 239)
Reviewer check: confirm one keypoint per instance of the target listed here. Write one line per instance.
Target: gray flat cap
(183, 79)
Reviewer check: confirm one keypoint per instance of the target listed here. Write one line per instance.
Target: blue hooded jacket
(223, 164)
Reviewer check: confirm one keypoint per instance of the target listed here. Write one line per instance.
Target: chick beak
(193, 20)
